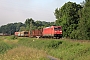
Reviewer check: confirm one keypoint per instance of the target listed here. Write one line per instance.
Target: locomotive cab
(58, 31)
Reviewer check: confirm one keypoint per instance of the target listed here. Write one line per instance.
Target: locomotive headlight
(60, 31)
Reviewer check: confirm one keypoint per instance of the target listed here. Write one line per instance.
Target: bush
(54, 44)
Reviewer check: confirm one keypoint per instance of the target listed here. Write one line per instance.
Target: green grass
(39, 43)
(62, 49)
(4, 47)
(24, 53)
(12, 49)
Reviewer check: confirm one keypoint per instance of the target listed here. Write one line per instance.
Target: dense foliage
(11, 28)
(84, 23)
(75, 20)
(31, 24)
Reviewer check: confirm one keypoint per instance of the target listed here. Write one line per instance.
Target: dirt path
(52, 58)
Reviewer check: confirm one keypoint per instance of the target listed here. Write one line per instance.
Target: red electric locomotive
(53, 31)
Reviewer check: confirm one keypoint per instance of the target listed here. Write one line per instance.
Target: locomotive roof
(51, 27)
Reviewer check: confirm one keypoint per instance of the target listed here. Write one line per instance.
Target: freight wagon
(37, 33)
(22, 34)
(1, 34)
(4, 34)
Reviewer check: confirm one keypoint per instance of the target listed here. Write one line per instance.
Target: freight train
(53, 31)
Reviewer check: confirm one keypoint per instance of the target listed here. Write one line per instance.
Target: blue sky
(12, 11)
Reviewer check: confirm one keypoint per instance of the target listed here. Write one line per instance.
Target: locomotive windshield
(57, 28)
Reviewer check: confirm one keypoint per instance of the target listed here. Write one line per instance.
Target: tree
(67, 16)
(18, 25)
(11, 28)
(29, 23)
(84, 23)
(22, 28)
